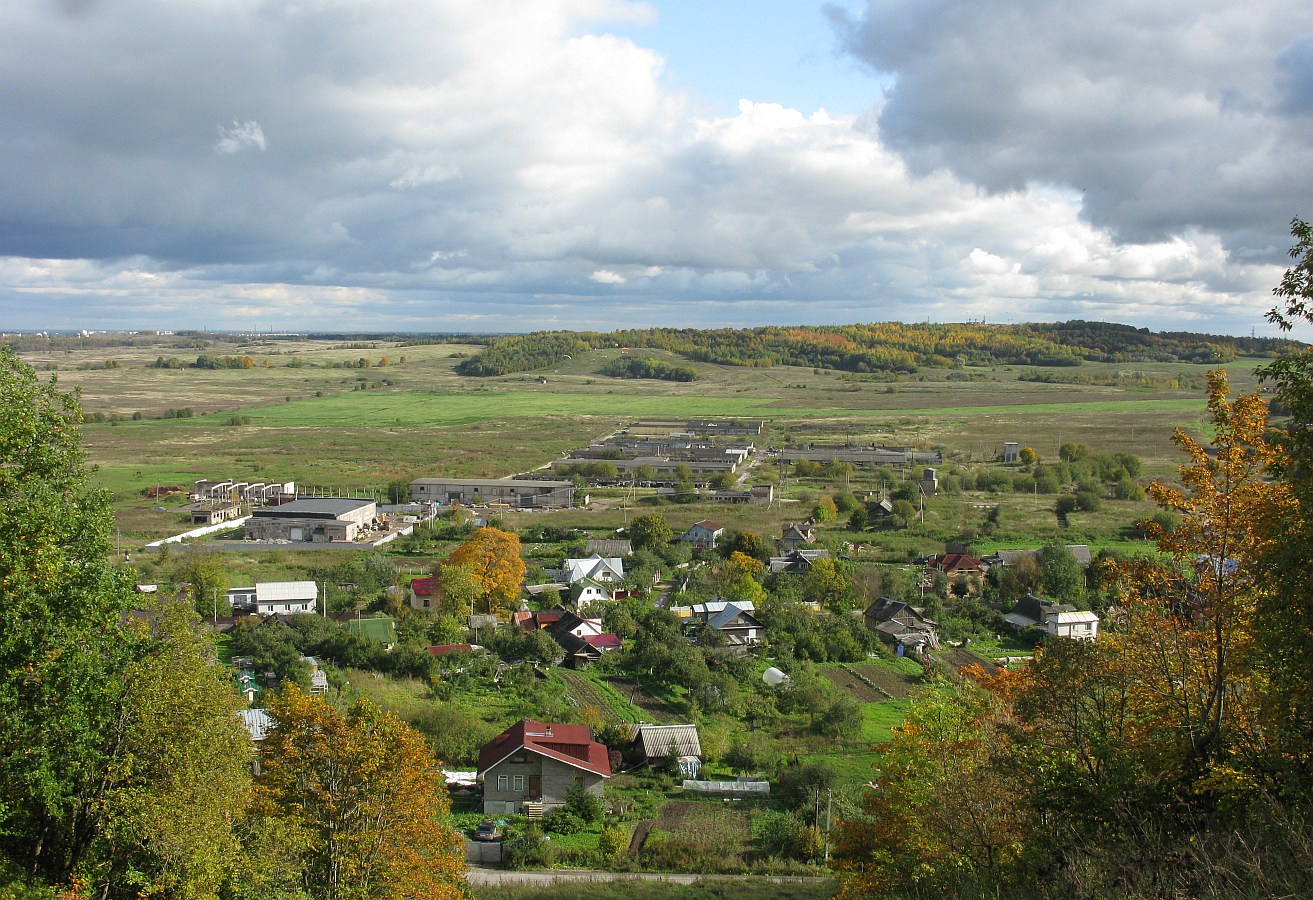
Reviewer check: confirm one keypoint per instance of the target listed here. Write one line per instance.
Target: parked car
(487, 831)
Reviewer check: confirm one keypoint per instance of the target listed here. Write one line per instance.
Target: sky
(515, 165)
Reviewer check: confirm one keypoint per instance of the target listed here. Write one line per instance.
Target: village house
(423, 592)
(795, 561)
(797, 536)
(703, 535)
(1053, 618)
(529, 767)
(901, 626)
(954, 564)
(269, 598)
(653, 743)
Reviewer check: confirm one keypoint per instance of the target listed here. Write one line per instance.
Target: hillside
(887, 347)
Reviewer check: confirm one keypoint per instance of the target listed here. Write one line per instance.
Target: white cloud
(439, 166)
(246, 135)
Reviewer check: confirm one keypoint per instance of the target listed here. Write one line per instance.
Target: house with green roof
(382, 629)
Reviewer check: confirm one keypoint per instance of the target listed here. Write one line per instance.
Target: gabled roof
(886, 609)
(656, 740)
(954, 562)
(603, 641)
(733, 616)
(796, 560)
(257, 722)
(595, 568)
(714, 607)
(609, 547)
(445, 649)
(285, 591)
(572, 745)
(424, 587)
(708, 525)
(1034, 610)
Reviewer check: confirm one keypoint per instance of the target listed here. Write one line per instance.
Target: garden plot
(857, 680)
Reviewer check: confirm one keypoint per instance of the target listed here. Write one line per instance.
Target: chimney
(549, 731)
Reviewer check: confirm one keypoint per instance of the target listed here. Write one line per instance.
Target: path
(481, 877)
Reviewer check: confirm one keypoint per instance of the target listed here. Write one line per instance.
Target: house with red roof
(703, 535)
(530, 766)
(423, 592)
(956, 564)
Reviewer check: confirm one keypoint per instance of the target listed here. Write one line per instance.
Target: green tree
(824, 510)
(458, 588)
(62, 640)
(826, 585)
(1061, 575)
(182, 776)
(650, 532)
(206, 578)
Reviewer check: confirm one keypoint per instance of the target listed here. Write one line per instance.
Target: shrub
(1065, 504)
(614, 841)
(528, 850)
(563, 821)
(1088, 501)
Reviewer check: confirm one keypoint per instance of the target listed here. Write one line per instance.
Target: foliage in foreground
(1170, 758)
(124, 771)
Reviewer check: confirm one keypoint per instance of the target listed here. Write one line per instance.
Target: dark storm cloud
(1166, 115)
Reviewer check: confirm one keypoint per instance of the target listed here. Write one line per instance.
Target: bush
(530, 849)
(1065, 504)
(1088, 501)
(563, 821)
(614, 841)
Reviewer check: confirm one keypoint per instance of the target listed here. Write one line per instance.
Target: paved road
(481, 877)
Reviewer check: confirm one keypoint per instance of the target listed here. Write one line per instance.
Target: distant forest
(889, 347)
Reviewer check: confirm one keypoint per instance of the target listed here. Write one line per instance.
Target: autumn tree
(738, 578)
(494, 558)
(365, 799)
(1191, 619)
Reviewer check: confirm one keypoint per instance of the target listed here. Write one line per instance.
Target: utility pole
(829, 804)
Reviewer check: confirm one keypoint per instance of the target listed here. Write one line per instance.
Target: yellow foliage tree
(362, 796)
(493, 556)
(1189, 621)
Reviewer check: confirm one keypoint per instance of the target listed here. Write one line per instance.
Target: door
(535, 787)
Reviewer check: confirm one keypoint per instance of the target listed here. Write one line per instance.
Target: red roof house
(531, 765)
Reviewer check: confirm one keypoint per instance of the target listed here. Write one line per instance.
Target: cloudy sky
(509, 165)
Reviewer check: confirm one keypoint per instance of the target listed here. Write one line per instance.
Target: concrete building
(516, 492)
(319, 520)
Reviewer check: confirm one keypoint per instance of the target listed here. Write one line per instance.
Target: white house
(595, 568)
(271, 597)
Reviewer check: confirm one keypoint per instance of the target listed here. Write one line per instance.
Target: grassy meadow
(300, 414)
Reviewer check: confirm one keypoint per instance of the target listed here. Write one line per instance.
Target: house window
(502, 782)
(519, 782)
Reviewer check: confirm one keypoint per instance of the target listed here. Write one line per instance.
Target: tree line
(888, 347)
